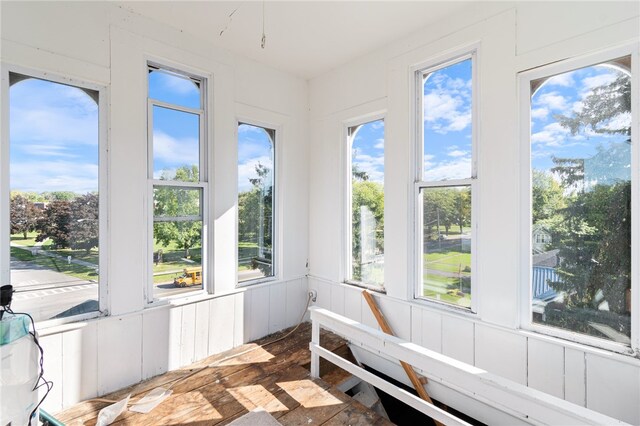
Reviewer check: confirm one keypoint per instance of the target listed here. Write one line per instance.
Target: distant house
(541, 238)
(40, 205)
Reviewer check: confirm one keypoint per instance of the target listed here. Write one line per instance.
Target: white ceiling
(306, 38)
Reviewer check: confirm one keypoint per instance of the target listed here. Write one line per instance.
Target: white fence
(529, 405)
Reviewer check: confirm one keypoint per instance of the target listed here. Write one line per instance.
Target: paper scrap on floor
(151, 400)
(108, 414)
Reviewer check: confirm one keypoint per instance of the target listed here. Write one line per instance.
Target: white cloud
(39, 176)
(540, 113)
(551, 135)
(456, 169)
(551, 101)
(590, 83)
(178, 85)
(247, 170)
(457, 153)
(447, 106)
(44, 150)
(564, 80)
(376, 125)
(175, 151)
(379, 144)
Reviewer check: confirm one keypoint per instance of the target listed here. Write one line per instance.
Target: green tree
(255, 214)
(23, 215)
(178, 202)
(84, 225)
(370, 195)
(55, 223)
(547, 197)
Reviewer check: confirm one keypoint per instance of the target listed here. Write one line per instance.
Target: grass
(53, 264)
(450, 266)
(448, 261)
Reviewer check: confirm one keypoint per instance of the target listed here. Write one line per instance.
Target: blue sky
(254, 146)
(564, 94)
(447, 122)
(54, 138)
(367, 150)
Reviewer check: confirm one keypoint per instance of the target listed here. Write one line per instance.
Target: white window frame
(103, 196)
(524, 79)
(347, 217)
(276, 207)
(202, 184)
(417, 94)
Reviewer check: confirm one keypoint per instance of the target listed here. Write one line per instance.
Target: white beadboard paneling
(296, 301)
(174, 342)
(221, 335)
(277, 307)
(202, 330)
(337, 299)
(188, 334)
(80, 364)
(397, 314)
(431, 330)
(574, 376)
(155, 342)
(457, 339)
(367, 316)
(52, 349)
(247, 315)
(119, 353)
(546, 367)
(353, 303)
(613, 388)
(416, 325)
(501, 353)
(324, 295)
(259, 324)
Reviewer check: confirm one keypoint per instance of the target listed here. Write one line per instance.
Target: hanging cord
(134, 401)
(45, 382)
(263, 42)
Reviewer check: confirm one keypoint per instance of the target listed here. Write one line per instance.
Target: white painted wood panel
(416, 325)
(246, 315)
(502, 353)
(174, 341)
(457, 339)
(188, 334)
(575, 376)
(296, 301)
(353, 303)
(201, 344)
(277, 307)
(259, 323)
(431, 330)
(119, 353)
(337, 299)
(52, 346)
(397, 315)
(613, 388)
(221, 324)
(546, 367)
(155, 339)
(80, 364)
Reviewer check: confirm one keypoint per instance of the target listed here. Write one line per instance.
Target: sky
(53, 138)
(564, 94)
(367, 150)
(447, 112)
(254, 147)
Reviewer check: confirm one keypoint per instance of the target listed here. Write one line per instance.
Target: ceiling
(305, 38)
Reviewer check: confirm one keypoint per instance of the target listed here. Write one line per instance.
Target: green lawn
(53, 264)
(448, 261)
(443, 273)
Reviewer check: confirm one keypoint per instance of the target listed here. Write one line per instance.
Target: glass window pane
(175, 202)
(367, 203)
(174, 89)
(177, 258)
(176, 145)
(447, 244)
(54, 198)
(581, 201)
(447, 109)
(255, 202)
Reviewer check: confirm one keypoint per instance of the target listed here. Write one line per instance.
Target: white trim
(103, 173)
(416, 87)
(276, 126)
(347, 188)
(524, 102)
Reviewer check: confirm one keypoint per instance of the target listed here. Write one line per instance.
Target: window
(446, 182)
(54, 167)
(366, 213)
(177, 181)
(256, 202)
(580, 184)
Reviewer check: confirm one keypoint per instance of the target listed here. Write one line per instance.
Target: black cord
(45, 382)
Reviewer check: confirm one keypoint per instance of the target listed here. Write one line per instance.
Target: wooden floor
(226, 386)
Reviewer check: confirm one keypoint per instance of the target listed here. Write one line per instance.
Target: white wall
(103, 44)
(513, 38)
